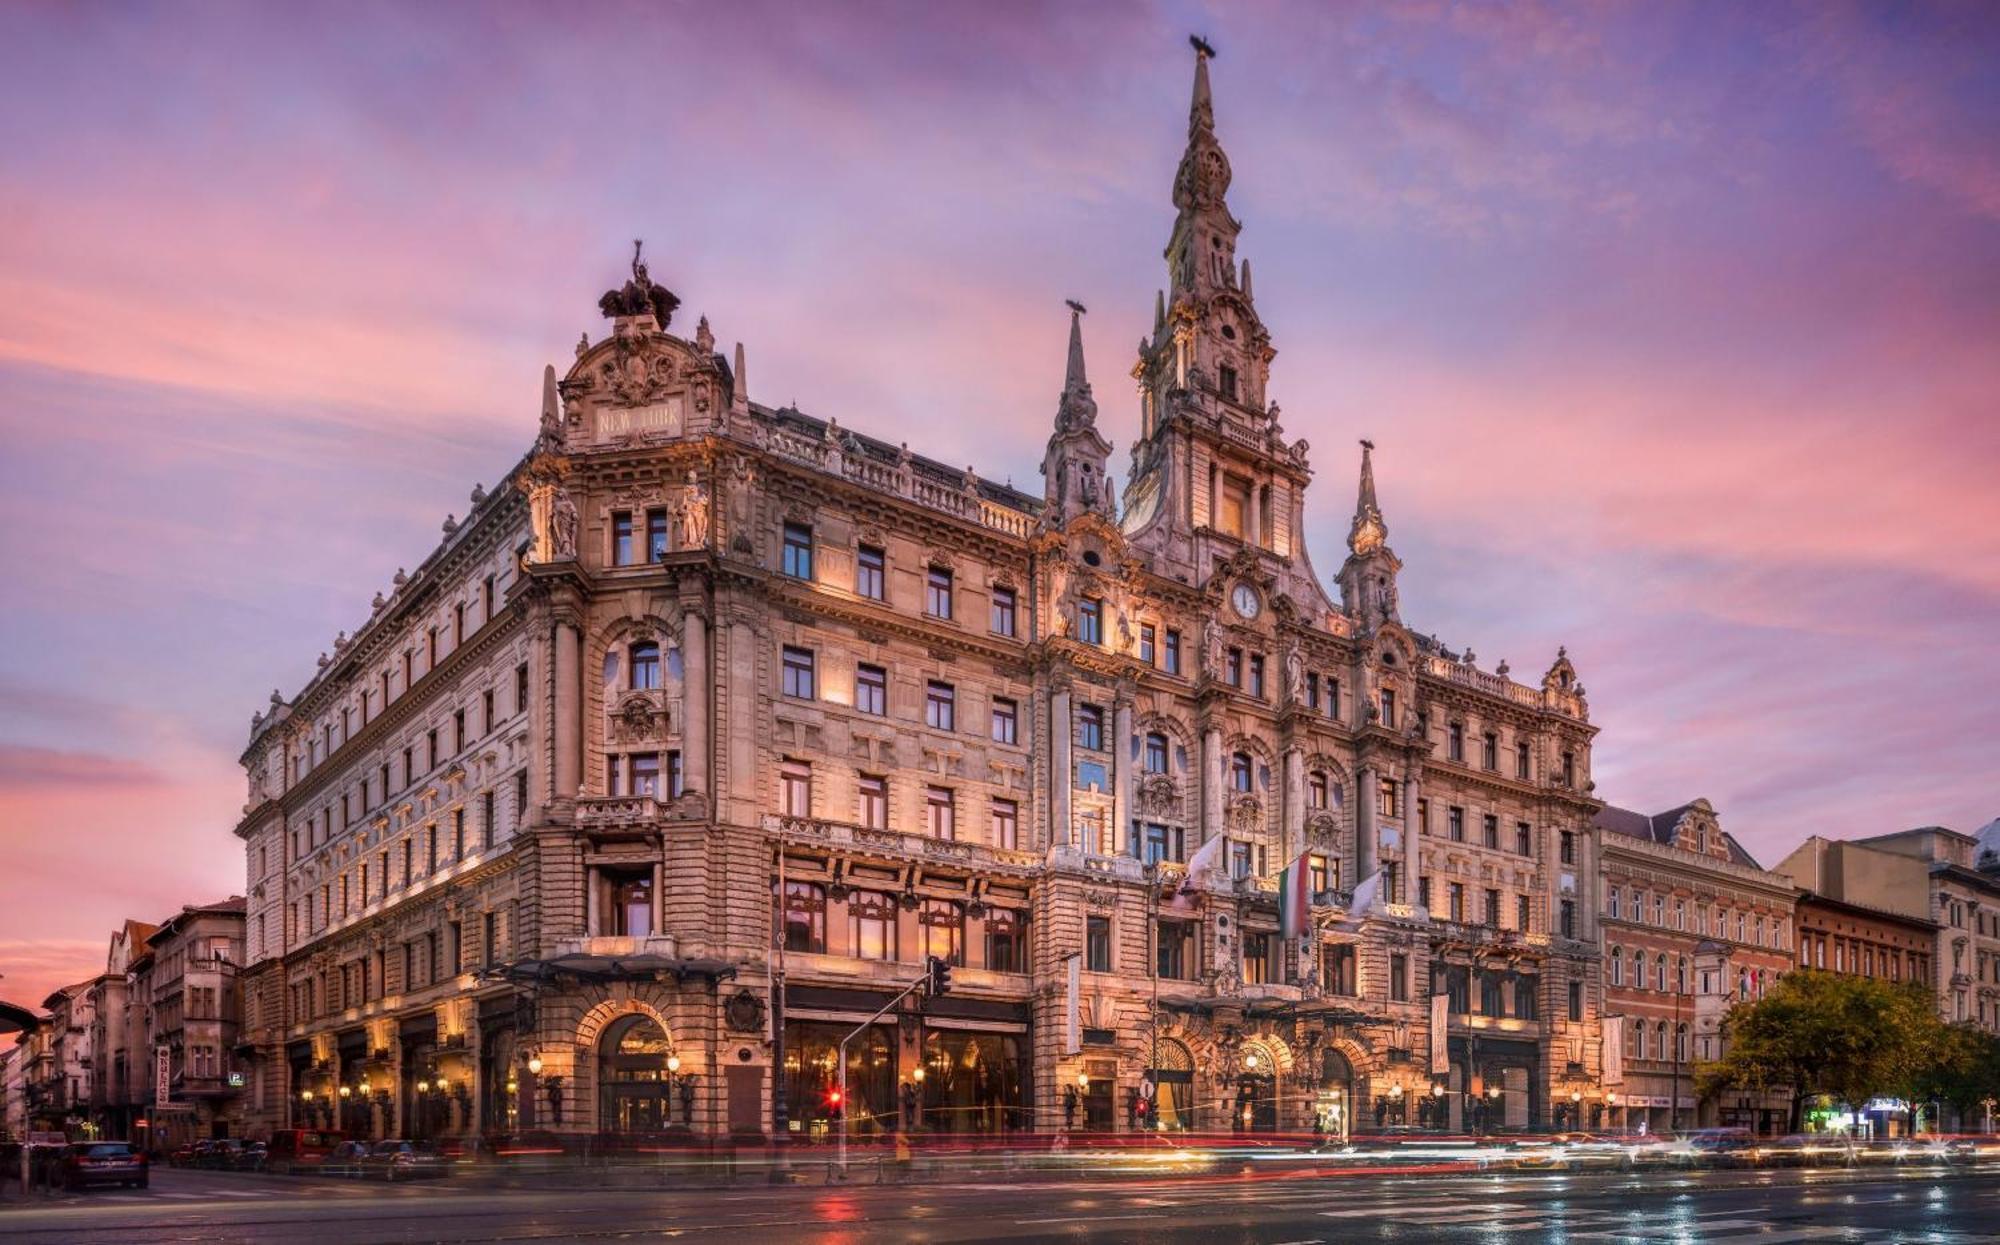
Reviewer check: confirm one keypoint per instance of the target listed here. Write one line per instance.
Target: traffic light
(938, 972)
(834, 1103)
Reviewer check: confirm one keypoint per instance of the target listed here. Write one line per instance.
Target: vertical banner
(1614, 1050)
(1073, 1007)
(163, 1075)
(1440, 1017)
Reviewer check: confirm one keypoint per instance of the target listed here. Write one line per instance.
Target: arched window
(645, 665)
(1681, 1042)
(1617, 966)
(1742, 983)
(1156, 753)
(1611, 904)
(1680, 974)
(1638, 1039)
(1660, 972)
(1239, 771)
(1660, 1041)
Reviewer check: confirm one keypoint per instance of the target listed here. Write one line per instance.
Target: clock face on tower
(1245, 600)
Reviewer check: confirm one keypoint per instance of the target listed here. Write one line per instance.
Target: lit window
(870, 567)
(871, 690)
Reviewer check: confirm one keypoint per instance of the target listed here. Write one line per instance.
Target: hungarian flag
(1294, 899)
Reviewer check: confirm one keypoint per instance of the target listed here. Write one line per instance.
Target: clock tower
(1212, 474)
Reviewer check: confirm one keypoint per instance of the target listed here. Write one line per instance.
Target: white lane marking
(1089, 1218)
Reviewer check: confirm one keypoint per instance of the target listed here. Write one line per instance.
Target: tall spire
(1369, 531)
(1201, 111)
(1078, 408)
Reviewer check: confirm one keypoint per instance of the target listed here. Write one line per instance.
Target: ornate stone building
(670, 766)
(1691, 924)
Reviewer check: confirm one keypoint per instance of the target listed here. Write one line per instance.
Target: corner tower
(1075, 463)
(1368, 577)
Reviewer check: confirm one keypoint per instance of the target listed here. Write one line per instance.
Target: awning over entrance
(581, 967)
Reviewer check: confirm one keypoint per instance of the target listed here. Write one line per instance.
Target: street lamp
(534, 1065)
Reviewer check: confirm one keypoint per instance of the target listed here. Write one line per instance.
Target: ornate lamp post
(683, 1084)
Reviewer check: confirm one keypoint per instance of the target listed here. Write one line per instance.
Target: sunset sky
(1676, 327)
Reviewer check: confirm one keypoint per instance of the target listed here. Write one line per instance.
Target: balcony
(896, 844)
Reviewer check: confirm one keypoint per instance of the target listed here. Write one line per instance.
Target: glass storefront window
(973, 1083)
(811, 1048)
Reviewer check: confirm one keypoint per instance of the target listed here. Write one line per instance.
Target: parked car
(1721, 1147)
(405, 1160)
(296, 1149)
(87, 1163)
(251, 1158)
(219, 1154)
(347, 1158)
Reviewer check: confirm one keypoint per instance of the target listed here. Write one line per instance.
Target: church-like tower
(1212, 473)
(1368, 577)
(1074, 465)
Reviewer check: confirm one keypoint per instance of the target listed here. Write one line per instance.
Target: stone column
(1294, 802)
(1413, 848)
(1211, 782)
(1365, 863)
(694, 702)
(1061, 775)
(1121, 759)
(568, 711)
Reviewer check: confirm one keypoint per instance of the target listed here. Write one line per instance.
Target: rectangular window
(874, 802)
(1173, 662)
(1234, 516)
(675, 789)
(1148, 643)
(1333, 697)
(1521, 760)
(1568, 918)
(1165, 843)
(1489, 751)
(805, 918)
(487, 596)
(871, 921)
(940, 812)
(1003, 611)
(1388, 707)
(1174, 958)
(431, 749)
(1575, 1002)
(486, 712)
(798, 558)
(645, 774)
(521, 688)
(1257, 675)
(1522, 909)
(795, 789)
(1399, 978)
(621, 538)
(1389, 796)
(655, 535)
(1090, 621)
(1337, 969)
(1456, 895)
(458, 624)
(1006, 825)
(871, 573)
(1257, 958)
(1454, 821)
(458, 731)
(937, 593)
(1492, 913)
(1489, 831)
(1226, 376)
(1090, 728)
(799, 682)
(1006, 941)
(1006, 721)
(1455, 742)
(1568, 842)
(871, 690)
(1097, 944)
(940, 707)
(487, 816)
(1233, 667)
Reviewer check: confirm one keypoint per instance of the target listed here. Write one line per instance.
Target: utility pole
(780, 1113)
(1674, 1111)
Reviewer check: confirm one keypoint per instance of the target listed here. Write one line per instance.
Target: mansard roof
(1663, 828)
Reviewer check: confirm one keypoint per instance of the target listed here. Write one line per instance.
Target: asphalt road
(1913, 1204)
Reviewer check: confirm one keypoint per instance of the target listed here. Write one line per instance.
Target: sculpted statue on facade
(564, 523)
(1211, 648)
(693, 509)
(1295, 675)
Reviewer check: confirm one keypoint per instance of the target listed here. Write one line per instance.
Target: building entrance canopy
(580, 967)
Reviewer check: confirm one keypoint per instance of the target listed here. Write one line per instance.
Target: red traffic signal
(832, 1097)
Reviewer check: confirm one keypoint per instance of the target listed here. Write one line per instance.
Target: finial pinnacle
(1366, 444)
(1075, 306)
(1202, 47)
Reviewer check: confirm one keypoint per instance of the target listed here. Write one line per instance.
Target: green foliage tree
(1851, 1038)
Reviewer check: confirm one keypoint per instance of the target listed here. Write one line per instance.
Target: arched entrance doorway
(634, 1089)
(1173, 1086)
(1334, 1109)
(1256, 1109)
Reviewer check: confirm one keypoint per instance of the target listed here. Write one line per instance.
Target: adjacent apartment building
(1691, 924)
